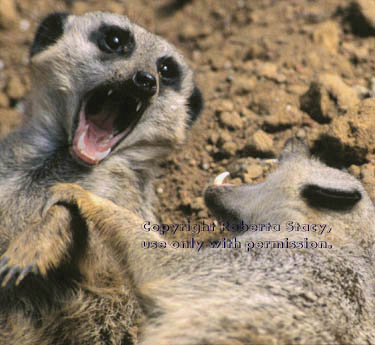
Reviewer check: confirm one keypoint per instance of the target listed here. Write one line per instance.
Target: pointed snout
(229, 203)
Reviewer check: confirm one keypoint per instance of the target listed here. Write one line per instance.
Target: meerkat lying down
(108, 101)
(300, 292)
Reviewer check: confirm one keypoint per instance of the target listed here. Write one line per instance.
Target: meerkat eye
(329, 198)
(169, 70)
(115, 40)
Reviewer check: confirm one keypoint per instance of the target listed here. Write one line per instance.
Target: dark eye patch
(48, 32)
(113, 39)
(170, 72)
(329, 198)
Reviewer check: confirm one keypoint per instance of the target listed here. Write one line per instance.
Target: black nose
(145, 82)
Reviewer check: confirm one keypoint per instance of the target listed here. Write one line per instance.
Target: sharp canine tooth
(139, 105)
(100, 155)
(110, 92)
(108, 139)
(81, 141)
(220, 178)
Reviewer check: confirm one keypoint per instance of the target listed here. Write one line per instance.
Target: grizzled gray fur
(266, 294)
(108, 101)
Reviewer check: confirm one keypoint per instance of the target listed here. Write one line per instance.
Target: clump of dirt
(268, 70)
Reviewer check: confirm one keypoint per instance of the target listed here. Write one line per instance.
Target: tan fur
(265, 296)
(60, 284)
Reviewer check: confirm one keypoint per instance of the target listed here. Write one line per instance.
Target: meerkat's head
(301, 190)
(112, 85)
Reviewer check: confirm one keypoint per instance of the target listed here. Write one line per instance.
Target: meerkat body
(109, 100)
(265, 295)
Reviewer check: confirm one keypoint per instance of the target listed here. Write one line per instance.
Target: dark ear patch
(329, 198)
(48, 32)
(195, 105)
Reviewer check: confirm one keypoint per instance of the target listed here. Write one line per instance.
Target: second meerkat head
(301, 190)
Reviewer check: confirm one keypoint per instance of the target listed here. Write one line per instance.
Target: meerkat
(294, 294)
(109, 100)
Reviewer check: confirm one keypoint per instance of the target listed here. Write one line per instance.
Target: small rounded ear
(294, 147)
(195, 105)
(48, 32)
(330, 198)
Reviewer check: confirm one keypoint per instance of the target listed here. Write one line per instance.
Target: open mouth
(107, 115)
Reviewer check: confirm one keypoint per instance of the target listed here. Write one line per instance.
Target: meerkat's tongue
(94, 137)
(106, 117)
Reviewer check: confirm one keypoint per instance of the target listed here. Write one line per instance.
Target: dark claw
(15, 270)
(24, 273)
(7, 273)
(3, 266)
(4, 261)
(52, 200)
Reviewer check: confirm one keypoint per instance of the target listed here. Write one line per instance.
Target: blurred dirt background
(268, 69)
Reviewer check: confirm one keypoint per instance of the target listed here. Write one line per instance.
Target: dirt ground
(268, 69)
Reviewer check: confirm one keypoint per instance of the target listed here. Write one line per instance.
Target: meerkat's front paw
(62, 193)
(38, 248)
(13, 267)
(74, 195)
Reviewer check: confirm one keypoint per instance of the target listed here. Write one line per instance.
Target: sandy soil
(269, 70)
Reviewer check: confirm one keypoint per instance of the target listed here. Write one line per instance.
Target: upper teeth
(139, 105)
(108, 139)
(220, 178)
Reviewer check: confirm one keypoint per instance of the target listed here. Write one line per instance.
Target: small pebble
(24, 25)
(205, 166)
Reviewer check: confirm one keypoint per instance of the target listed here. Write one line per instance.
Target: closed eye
(329, 198)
